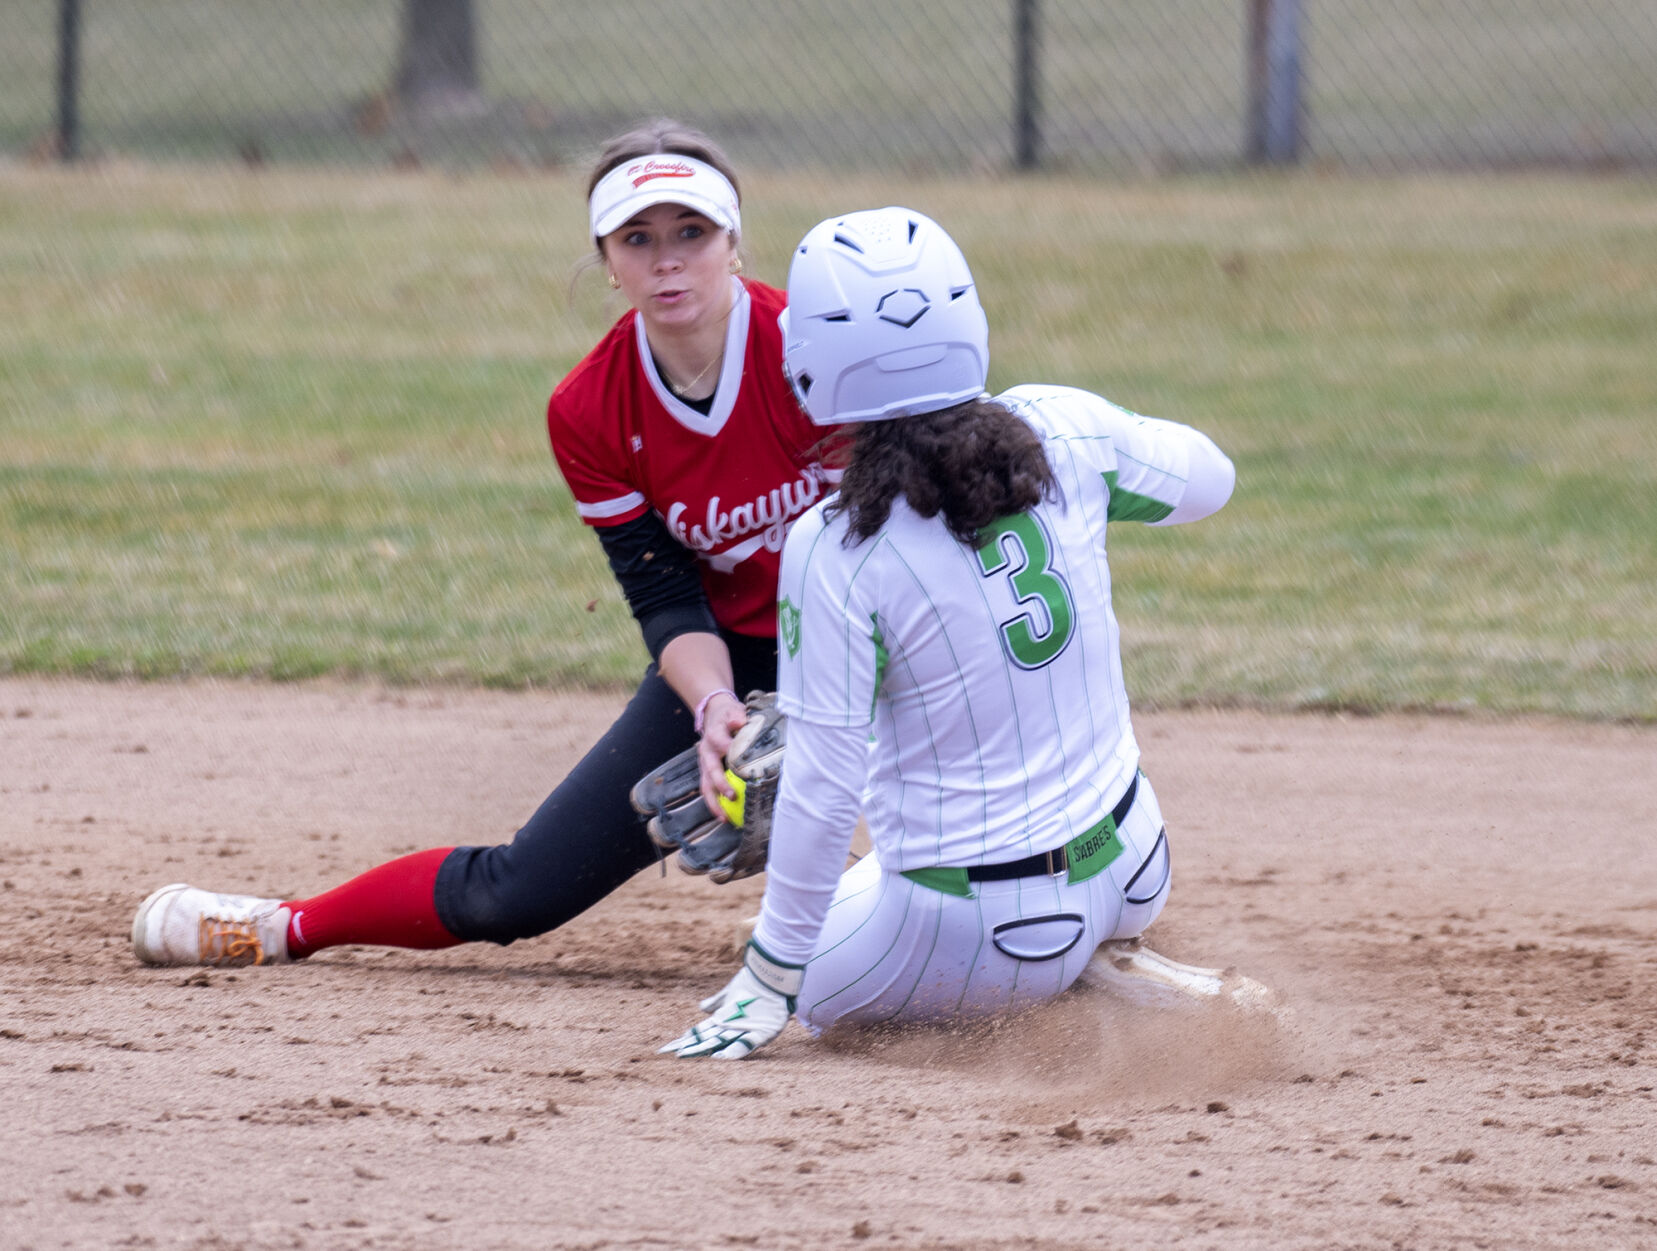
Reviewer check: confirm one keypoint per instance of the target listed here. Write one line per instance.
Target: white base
(1132, 971)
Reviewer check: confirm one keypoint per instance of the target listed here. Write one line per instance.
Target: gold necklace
(679, 389)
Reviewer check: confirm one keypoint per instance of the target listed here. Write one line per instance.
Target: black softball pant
(585, 840)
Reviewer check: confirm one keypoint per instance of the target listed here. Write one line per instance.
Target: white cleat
(1130, 970)
(182, 924)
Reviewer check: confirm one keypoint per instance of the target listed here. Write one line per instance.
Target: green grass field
(287, 424)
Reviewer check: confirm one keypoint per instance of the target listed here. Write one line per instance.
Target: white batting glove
(752, 1010)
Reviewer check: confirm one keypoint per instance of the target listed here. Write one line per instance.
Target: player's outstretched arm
(1173, 466)
(1209, 480)
(752, 1010)
(698, 667)
(1160, 472)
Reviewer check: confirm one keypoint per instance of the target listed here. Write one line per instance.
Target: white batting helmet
(883, 319)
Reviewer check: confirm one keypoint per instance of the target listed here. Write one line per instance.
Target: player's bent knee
(482, 899)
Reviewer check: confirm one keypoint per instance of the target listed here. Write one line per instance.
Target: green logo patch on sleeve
(788, 626)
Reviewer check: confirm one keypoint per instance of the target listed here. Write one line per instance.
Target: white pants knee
(893, 950)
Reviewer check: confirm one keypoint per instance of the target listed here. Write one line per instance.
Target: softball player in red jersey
(686, 451)
(951, 668)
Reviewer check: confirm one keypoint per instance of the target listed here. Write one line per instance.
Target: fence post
(1275, 107)
(1026, 95)
(69, 73)
(437, 64)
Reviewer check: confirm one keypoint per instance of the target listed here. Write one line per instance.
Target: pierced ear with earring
(736, 264)
(614, 285)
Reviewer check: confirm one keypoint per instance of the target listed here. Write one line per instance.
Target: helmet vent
(845, 241)
(913, 227)
(956, 293)
(803, 382)
(838, 317)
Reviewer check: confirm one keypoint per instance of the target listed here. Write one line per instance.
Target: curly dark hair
(973, 463)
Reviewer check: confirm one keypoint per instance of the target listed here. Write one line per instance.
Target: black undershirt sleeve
(660, 579)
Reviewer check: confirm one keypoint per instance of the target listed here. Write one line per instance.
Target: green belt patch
(1092, 851)
(949, 881)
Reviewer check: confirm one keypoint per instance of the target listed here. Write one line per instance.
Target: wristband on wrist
(702, 707)
(773, 974)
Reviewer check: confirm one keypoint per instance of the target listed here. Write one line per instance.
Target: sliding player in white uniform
(950, 667)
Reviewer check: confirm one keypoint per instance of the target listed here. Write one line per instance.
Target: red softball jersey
(728, 483)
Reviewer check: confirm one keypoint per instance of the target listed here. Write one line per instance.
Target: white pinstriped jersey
(991, 679)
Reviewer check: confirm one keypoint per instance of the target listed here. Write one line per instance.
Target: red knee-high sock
(392, 905)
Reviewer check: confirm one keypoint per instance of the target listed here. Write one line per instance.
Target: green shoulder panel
(1126, 506)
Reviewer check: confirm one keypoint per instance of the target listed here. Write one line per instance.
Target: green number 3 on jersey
(1031, 639)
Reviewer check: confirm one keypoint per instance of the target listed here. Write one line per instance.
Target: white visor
(663, 178)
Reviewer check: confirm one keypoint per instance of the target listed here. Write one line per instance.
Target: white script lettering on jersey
(770, 513)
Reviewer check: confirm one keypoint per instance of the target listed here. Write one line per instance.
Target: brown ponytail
(973, 463)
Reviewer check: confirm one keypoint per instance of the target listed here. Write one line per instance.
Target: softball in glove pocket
(732, 843)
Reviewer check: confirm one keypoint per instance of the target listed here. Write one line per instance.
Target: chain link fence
(923, 85)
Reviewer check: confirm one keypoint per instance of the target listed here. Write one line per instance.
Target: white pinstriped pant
(893, 950)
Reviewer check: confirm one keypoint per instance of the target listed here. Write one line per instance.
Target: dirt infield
(1461, 915)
